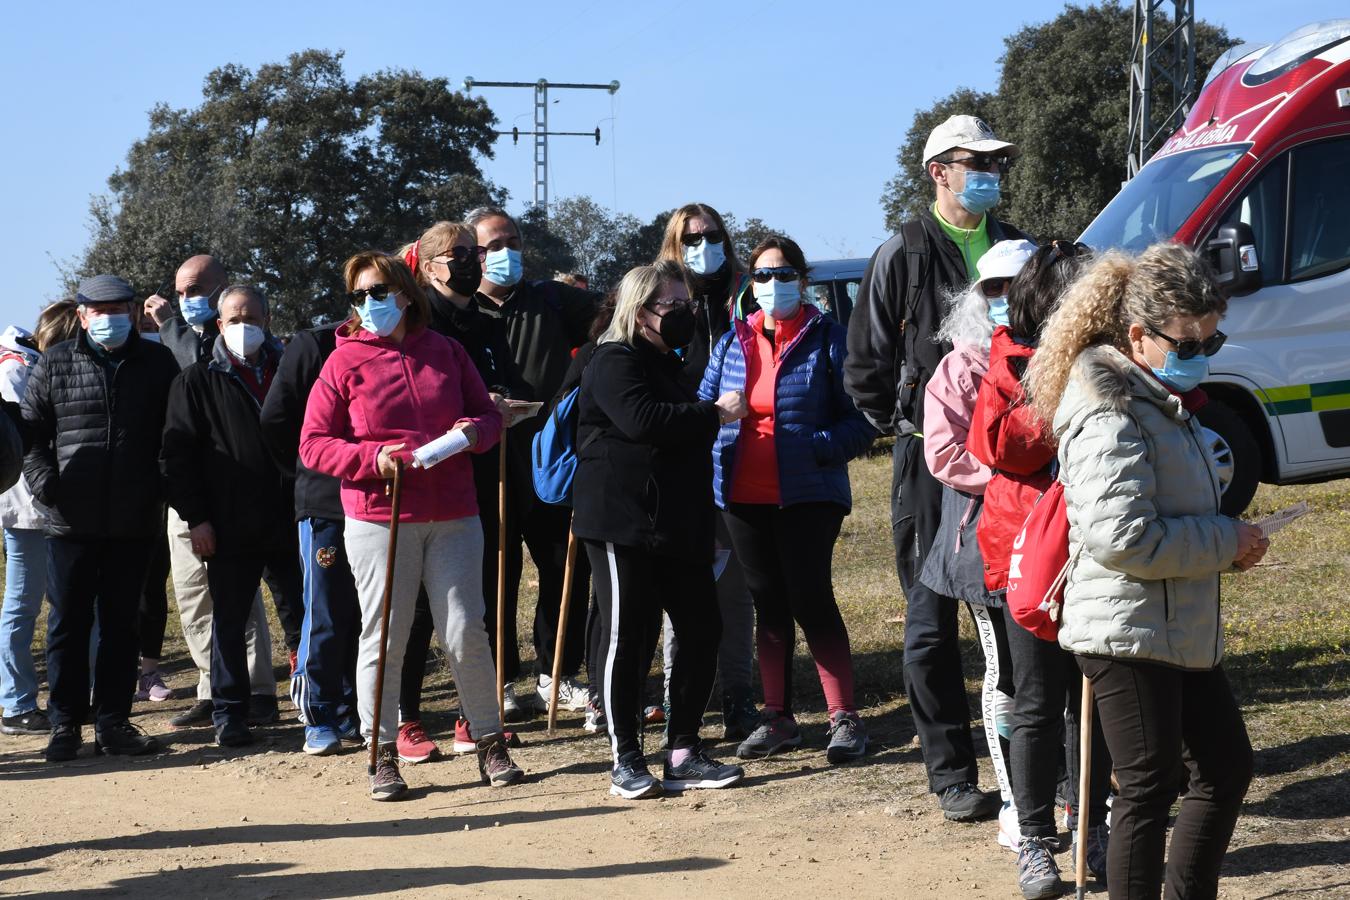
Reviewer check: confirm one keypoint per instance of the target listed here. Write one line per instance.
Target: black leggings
(154, 607)
(632, 587)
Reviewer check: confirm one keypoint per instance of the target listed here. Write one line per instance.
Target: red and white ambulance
(1259, 176)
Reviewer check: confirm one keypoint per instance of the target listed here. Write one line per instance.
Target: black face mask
(677, 327)
(465, 276)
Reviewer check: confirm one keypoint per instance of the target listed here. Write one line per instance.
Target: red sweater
(756, 477)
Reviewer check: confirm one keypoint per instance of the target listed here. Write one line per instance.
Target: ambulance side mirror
(1232, 253)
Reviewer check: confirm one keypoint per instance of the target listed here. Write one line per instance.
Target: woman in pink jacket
(954, 567)
(391, 386)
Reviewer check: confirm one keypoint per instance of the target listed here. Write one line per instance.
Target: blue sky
(789, 111)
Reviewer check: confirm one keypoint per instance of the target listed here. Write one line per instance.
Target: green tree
(546, 252)
(636, 246)
(285, 172)
(589, 229)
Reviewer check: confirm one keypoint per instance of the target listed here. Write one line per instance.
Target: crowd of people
(713, 412)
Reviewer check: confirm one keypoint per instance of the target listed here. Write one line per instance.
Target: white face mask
(243, 339)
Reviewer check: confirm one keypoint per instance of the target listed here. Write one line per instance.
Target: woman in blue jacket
(780, 476)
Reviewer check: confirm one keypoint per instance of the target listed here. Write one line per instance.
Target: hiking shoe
(464, 742)
(1009, 830)
(234, 733)
(413, 744)
(1037, 873)
(965, 802)
(195, 715)
(34, 721)
(774, 734)
(739, 714)
(699, 771)
(386, 783)
(262, 710)
(64, 744)
(494, 763)
(631, 780)
(516, 709)
(595, 719)
(123, 739)
(572, 695)
(1099, 838)
(848, 738)
(322, 740)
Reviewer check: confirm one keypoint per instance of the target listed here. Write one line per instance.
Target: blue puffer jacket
(817, 429)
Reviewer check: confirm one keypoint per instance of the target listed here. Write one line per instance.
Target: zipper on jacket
(1218, 502)
(1167, 602)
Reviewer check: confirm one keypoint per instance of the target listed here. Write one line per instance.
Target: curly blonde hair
(1113, 293)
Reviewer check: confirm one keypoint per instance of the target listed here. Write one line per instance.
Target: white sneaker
(513, 710)
(572, 696)
(1009, 831)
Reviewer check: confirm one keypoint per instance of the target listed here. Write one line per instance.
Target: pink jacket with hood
(949, 400)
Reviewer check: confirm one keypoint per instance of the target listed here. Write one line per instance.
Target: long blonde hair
(1115, 292)
(639, 287)
(59, 321)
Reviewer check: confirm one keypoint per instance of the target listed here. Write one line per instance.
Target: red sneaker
(464, 743)
(413, 744)
(294, 658)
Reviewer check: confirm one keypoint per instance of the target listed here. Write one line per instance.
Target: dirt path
(199, 822)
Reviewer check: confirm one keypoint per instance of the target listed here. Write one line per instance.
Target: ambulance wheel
(1236, 454)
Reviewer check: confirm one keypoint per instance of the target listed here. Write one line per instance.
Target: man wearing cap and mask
(95, 406)
(220, 477)
(891, 356)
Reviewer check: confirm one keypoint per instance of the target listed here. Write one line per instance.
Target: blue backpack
(553, 457)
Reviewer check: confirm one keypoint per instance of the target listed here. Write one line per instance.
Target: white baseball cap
(968, 133)
(1004, 260)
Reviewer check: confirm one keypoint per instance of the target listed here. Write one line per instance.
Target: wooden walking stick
(566, 607)
(1084, 786)
(384, 610)
(501, 579)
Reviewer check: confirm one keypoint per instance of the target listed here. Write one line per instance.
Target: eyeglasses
(378, 291)
(781, 273)
(694, 238)
(1067, 250)
(1190, 347)
(994, 287)
(461, 254)
(982, 162)
(663, 305)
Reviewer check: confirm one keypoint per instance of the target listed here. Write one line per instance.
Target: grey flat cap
(104, 289)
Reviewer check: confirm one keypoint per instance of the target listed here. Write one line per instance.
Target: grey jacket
(1145, 534)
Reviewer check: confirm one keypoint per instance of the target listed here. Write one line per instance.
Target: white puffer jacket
(1145, 532)
(18, 509)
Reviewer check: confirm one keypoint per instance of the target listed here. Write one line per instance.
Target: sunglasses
(781, 273)
(994, 287)
(694, 238)
(461, 254)
(982, 162)
(1190, 347)
(377, 291)
(1067, 250)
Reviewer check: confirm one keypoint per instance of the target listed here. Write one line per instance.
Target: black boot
(234, 733)
(64, 744)
(123, 739)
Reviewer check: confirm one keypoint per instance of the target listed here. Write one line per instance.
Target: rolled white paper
(441, 449)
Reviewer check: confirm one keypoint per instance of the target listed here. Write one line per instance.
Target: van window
(1319, 229)
(1262, 207)
(818, 295)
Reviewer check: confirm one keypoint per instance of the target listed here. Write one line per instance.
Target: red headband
(411, 257)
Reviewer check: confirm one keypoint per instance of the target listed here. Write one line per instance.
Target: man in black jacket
(544, 322)
(891, 356)
(220, 477)
(95, 406)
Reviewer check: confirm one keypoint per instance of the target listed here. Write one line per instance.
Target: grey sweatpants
(447, 557)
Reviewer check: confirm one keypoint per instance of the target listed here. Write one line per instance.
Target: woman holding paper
(392, 386)
(1118, 374)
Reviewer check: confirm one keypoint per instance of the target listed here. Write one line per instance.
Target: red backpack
(1039, 565)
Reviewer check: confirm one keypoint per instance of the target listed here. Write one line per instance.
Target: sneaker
(123, 739)
(514, 710)
(196, 715)
(739, 714)
(34, 721)
(295, 661)
(1037, 873)
(151, 687)
(572, 695)
(1099, 838)
(774, 734)
(349, 730)
(322, 740)
(654, 715)
(631, 780)
(464, 742)
(386, 783)
(1009, 830)
(595, 719)
(263, 710)
(234, 733)
(64, 744)
(413, 744)
(494, 763)
(699, 771)
(848, 738)
(965, 802)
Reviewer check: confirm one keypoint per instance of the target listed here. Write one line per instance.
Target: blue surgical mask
(110, 332)
(380, 317)
(197, 310)
(1183, 375)
(705, 258)
(503, 267)
(998, 311)
(779, 299)
(980, 193)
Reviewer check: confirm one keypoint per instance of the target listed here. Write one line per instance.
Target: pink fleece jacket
(948, 404)
(372, 392)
